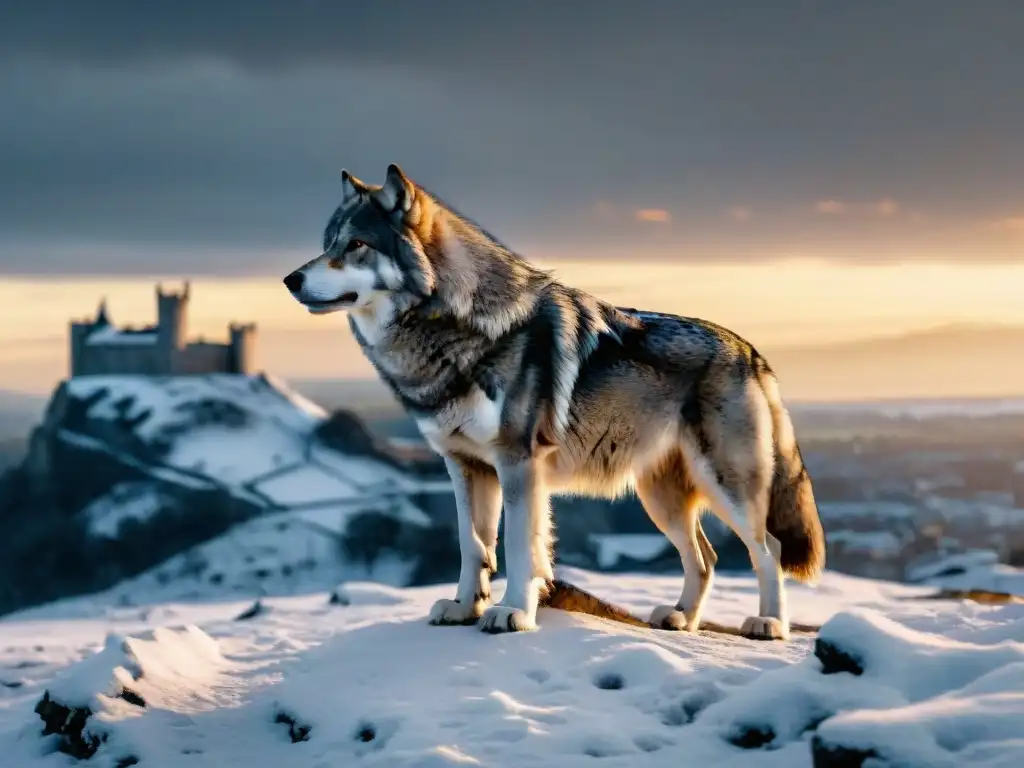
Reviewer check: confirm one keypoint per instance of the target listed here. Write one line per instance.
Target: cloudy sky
(205, 139)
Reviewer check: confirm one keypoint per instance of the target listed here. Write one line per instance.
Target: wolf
(527, 387)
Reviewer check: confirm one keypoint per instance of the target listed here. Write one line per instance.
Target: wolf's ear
(397, 193)
(351, 186)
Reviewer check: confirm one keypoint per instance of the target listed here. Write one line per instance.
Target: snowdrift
(889, 680)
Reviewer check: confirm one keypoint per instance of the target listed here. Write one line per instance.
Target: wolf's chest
(470, 425)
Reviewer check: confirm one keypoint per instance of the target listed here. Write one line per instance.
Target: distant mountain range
(955, 361)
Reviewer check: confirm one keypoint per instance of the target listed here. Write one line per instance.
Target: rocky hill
(228, 483)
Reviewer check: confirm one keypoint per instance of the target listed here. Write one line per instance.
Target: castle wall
(202, 357)
(144, 359)
(77, 333)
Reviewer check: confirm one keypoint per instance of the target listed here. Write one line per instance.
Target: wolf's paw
(669, 617)
(453, 613)
(501, 618)
(764, 628)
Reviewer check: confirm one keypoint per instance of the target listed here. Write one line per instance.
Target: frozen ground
(365, 681)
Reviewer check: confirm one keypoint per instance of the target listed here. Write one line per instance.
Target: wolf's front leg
(478, 503)
(527, 547)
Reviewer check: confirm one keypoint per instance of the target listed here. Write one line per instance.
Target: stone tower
(241, 347)
(171, 318)
(79, 332)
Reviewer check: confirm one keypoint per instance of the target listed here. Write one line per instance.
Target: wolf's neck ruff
(478, 279)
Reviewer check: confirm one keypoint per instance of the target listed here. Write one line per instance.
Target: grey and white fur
(528, 387)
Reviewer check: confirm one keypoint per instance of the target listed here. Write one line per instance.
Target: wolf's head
(388, 248)
(372, 249)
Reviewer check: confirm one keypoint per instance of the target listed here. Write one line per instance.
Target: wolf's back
(792, 511)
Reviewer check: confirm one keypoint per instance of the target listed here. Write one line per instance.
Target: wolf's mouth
(345, 300)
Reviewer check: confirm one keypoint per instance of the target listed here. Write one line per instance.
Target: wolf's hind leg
(673, 504)
(742, 505)
(478, 503)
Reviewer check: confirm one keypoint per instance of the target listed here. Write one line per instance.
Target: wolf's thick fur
(528, 387)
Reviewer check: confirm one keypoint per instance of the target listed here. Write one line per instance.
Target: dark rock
(834, 660)
(751, 737)
(68, 723)
(254, 610)
(296, 731)
(132, 697)
(610, 681)
(825, 755)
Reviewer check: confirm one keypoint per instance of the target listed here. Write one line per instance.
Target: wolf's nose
(294, 282)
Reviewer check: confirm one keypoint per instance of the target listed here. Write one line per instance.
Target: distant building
(98, 347)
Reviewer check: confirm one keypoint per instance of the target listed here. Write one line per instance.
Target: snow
(162, 658)
(251, 436)
(956, 564)
(370, 476)
(967, 571)
(126, 501)
(165, 397)
(367, 593)
(955, 702)
(639, 546)
(235, 455)
(281, 553)
(111, 335)
(365, 681)
(1000, 578)
(305, 485)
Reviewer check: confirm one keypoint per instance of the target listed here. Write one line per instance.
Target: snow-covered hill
(237, 482)
(250, 435)
(891, 680)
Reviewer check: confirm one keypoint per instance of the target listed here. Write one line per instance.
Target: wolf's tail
(568, 597)
(792, 512)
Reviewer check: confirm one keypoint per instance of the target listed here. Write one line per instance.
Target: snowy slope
(215, 486)
(914, 683)
(248, 434)
(280, 553)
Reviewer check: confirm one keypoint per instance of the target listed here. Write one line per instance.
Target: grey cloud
(139, 134)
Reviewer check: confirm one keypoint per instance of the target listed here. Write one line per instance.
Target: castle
(98, 347)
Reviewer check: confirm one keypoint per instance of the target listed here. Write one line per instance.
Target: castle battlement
(97, 346)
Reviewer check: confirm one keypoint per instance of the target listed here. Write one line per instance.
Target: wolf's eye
(353, 245)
